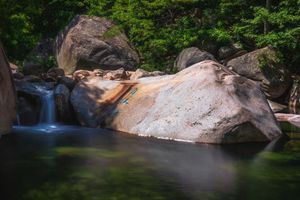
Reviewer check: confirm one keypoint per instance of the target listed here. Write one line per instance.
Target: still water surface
(70, 163)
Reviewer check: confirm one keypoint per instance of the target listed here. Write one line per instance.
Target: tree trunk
(266, 23)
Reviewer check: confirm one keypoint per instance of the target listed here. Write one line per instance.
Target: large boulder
(203, 103)
(262, 65)
(7, 95)
(92, 42)
(190, 56)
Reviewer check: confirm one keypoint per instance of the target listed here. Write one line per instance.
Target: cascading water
(18, 119)
(47, 122)
(48, 114)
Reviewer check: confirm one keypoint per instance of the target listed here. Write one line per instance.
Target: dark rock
(276, 107)
(191, 56)
(226, 52)
(18, 75)
(67, 81)
(262, 66)
(7, 95)
(63, 108)
(92, 42)
(32, 78)
(29, 106)
(55, 73)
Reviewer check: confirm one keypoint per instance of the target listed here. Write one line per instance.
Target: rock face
(63, 108)
(191, 56)
(203, 103)
(261, 65)
(93, 42)
(7, 95)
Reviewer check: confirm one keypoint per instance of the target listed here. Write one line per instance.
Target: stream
(52, 161)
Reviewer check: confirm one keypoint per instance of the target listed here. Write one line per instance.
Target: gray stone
(272, 76)
(190, 56)
(90, 42)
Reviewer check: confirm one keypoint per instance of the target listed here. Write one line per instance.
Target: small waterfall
(18, 119)
(48, 110)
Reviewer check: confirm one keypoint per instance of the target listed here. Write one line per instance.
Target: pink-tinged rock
(203, 103)
(290, 118)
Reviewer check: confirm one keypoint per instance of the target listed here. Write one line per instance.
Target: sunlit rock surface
(7, 95)
(203, 103)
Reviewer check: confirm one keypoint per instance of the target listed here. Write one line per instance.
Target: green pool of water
(103, 165)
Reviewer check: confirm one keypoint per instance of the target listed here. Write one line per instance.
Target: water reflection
(67, 162)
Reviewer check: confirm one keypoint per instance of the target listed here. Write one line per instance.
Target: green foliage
(160, 29)
(283, 19)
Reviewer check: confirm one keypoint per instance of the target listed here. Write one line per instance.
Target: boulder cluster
(226, 97)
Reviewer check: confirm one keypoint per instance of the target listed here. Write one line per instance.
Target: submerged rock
(203, 103)
(7, 95)
(190, 56)
(262, 65)
(90, 42)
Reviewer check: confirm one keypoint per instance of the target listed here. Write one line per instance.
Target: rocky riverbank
(228, 97)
